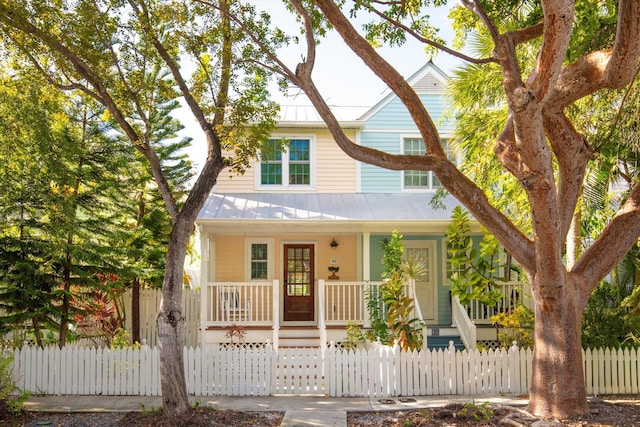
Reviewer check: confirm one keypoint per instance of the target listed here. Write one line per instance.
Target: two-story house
(289, 248)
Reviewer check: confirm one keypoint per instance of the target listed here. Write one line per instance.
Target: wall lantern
(333, 243)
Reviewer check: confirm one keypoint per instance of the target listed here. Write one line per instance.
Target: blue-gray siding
(385, 129)
(444, 302)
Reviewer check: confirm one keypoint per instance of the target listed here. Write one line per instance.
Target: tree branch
(475, 7)
(213, 164)
(453, 180)
(281, 68)
(558, 24)
(387, 74)
(432, 43)
(615, 241)
(572, 155)
(605, 68)
(620, 70)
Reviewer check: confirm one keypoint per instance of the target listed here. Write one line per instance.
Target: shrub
(11, 397)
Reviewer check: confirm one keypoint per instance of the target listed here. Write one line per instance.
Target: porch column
(276, 313)
(366, 266)
(204, 279)
(366, 256)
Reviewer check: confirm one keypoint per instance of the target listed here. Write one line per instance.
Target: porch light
(333, 243)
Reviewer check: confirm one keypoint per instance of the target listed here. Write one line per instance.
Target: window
(289, 168)
(421, 180)
(259, 259)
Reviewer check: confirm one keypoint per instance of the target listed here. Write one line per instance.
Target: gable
(429, 84)
(429, 80)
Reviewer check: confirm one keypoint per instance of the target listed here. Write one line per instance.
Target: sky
(341, 76)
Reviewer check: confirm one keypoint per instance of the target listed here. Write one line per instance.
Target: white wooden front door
(426, 285)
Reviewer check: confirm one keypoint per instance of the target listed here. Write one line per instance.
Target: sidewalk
(249, 403)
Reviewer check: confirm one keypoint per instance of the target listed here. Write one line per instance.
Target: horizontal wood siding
(395, 115)
(335, 171)
(384, 131)
(231, 263)
(373, 178)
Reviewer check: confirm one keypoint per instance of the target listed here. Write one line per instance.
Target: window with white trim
(292, 168)
(422, 180)
(259, 258)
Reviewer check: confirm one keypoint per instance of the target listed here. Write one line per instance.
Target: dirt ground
(615, 411)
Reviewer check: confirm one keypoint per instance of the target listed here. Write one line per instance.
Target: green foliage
(612, 316)
(57, 212)
(375, 307)
(480, 413)
(515, 326)
(393, 250)
(411, 13)
(474, 271)
(122, 339)
(390, 310)
(354, 337)
(10, 395)
(404, 329)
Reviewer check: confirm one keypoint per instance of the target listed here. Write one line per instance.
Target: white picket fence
(263, 371)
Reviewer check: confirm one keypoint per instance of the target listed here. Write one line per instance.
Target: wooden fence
(149, 303)
(263, 371)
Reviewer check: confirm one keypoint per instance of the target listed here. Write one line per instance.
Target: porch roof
(324, 207)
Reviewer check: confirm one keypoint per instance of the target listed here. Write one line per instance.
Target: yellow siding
(345, 254)
(335, 171)
(231, 264)
(229, 258)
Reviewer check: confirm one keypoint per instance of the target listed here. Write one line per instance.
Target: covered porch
(293, 268)
(255, 308)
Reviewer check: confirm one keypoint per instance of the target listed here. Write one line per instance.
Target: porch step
(442, 342)
(299, 337)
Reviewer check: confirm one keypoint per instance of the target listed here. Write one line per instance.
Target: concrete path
(300, 411)
(256, 403)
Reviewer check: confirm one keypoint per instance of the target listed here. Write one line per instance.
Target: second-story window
(289, 168)
(421, 180)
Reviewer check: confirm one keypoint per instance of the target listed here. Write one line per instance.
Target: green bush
(389, 308)
(354, 338)
(515, 326)
(11, 397)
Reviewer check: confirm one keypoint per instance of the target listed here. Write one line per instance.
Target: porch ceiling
(340, 212)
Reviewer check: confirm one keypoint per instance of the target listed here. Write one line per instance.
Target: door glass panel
(421, 255)
(298, 272)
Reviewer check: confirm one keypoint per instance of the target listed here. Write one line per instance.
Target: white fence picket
(377, 372)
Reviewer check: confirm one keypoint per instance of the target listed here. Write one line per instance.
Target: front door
(298, 283)
(426, 289)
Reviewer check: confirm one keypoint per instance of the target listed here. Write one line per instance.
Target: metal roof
(303, 115)
(324, 207)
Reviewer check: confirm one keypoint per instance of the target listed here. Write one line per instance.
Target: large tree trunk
(557, 382)
(171, 323)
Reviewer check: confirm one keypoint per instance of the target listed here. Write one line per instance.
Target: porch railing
(513, 294)
(461, 320)
(344, 302)
(240, 303)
